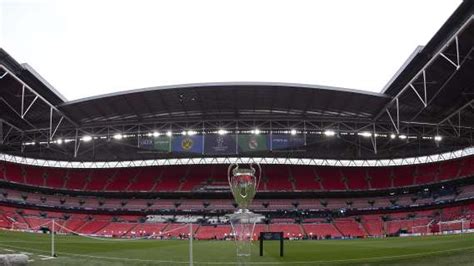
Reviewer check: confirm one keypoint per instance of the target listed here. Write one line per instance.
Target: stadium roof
(433, 94)
(197, 102)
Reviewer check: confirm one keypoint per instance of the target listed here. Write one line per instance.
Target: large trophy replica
(243, 183)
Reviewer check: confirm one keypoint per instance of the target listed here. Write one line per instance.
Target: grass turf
(75, 250)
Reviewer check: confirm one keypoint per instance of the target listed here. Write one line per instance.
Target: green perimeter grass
(75, 250)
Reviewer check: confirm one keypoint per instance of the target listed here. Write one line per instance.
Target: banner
(285, 141)
(161, 144)
(219, 144)
(251, 142)
(191, 144)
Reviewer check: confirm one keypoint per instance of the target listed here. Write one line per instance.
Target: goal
(423, 229)
(454, 226)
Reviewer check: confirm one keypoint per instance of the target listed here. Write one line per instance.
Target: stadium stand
(162, 179)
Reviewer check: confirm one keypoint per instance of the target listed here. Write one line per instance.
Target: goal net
(422, 229)
(454, 226)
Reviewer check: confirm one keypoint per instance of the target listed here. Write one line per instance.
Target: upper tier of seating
(202, 177)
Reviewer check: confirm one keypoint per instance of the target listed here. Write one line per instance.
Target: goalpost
(422, 229)
(454, 226)
(53, 231)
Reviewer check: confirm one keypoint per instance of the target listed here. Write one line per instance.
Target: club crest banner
(191, 144)
(251, 142)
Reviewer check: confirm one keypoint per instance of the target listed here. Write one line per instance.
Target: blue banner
(219, 144)
(191, 144)
(285, 141)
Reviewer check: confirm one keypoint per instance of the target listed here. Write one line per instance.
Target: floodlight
(169, 133)
(86, 138)
(438, 138)
(118, 136)
(365, 134)
(221, 131)
(192, 132)
(156, 134)
(329, 133)
(293, 132)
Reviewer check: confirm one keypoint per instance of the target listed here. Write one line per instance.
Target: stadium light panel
(221, 131)
(329, 133)
(402, 136)
(192, 132)
(169, 133)
(293, 132)
(86, 138)
(184, 133)
(392, 136)
(59, 141)
(118, 136)
(156, 134)
(365, 134)
(255, 131)
(438, 138)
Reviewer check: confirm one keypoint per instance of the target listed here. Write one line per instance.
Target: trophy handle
(259, 177)
(229, 171)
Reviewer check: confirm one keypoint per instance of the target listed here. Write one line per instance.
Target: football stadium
(245, 173)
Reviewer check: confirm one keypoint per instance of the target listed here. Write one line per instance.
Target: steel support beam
(453, 40)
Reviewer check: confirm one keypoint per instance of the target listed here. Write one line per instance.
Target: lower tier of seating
(133, 226)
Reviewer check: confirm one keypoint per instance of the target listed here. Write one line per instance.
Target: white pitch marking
(31, 260)
(43, 257)
(9, 250)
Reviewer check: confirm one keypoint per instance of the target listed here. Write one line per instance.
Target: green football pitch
(76, 250)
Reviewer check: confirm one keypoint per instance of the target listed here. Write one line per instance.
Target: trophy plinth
(243, 184)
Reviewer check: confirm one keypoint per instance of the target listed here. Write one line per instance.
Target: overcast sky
(86, 48)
